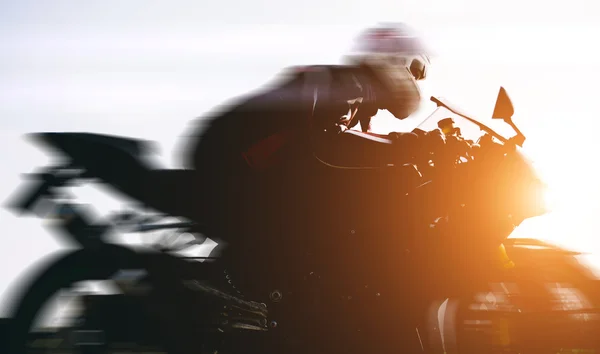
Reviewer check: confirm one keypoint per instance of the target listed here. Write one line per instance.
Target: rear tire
(76, 266)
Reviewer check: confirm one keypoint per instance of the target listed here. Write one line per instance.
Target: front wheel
(522, 317)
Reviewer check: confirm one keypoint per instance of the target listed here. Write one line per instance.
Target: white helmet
(390, 49)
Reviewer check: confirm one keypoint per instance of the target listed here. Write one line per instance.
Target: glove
(417, 146)
(436, 140)
(404, 141)
(419, 132)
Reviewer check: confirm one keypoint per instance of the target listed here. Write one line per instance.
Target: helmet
(391, 48)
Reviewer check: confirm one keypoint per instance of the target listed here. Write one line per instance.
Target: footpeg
(236, 314)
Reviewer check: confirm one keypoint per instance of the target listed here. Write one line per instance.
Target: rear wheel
(73, 333)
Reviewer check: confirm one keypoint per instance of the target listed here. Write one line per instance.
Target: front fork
(439, 332)
(504, 260)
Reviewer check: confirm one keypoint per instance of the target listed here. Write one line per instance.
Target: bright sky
(148, 68)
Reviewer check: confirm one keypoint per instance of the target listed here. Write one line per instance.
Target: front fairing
(485, 194)
(513, 187)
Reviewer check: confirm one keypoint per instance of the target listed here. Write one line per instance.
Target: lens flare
(551, 199)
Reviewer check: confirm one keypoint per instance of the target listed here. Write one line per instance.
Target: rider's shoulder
(333, 70)
(305, 71)
(311, 68)
(336, 73)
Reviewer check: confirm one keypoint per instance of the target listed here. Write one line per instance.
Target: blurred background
(149, 69)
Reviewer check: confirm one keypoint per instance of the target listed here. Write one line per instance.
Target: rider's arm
(358, 149)
(338, 93)
(363, 116)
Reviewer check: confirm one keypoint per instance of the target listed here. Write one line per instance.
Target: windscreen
(464, 127)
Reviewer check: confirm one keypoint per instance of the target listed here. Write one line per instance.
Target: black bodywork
(125, 165)
(365, 302)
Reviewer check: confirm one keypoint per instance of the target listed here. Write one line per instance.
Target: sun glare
(572, 199)
(571, 196)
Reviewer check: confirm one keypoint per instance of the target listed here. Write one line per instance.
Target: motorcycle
(171, 303)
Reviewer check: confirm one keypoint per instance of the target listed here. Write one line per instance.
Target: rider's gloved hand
(419, 132)
(405, 145)
(404, 141)
(436, 140)
(417, 145)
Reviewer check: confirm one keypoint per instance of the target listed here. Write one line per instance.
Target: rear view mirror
(504, 108)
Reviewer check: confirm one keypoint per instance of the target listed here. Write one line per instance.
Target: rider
(253, 158)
